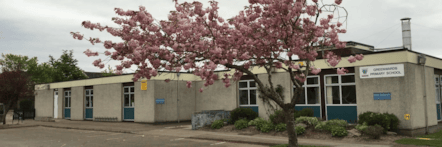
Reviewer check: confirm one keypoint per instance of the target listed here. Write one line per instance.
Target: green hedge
(241, 124)
(387, 121)
(217, 124)
(242, 113)
(278, 116)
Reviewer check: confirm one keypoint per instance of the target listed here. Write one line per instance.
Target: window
(311, 87)
(437, 86)
(67, 99)
(340, 89)
(89, 98)
(129, 98)
(247, 92)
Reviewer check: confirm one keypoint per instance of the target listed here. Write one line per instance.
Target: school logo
(364, 71)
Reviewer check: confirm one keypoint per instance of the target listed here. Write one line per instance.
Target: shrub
(261, 123)
(277, 117)
(361, 127)
(300, 129)
(281, 127)
(241, 124)
(241, 113)
(304, 112)
(389, 122)
(313, 121)
(253, 122)
(217, 124)
(328, 125)
(266, 127)
(374, 132)
(338, 131)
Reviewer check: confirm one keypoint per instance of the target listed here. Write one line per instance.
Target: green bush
(361, 127)
(26, 104)
(266, 127)
(389, 122)
(328, 125)
(261, 123)
(300, 129)
(217, 124)
(253, 122)
(277, 117)
(241, 124)
(374, 132)
(312, 121)
(338, 131)
(304, 112)
(281, 127)
(241, 113)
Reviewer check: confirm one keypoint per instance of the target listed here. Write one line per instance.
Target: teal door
(129, 103)
(67, 104)
(89, 108)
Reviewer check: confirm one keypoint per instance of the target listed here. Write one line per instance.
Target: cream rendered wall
(44, 103)
(406, 96)
(108, 100)
(277, 78)
(144, 103)
(216, 96)
(77, 103)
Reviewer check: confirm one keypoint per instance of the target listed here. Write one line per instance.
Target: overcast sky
(41, 27)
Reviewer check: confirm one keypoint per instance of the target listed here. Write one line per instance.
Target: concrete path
(180, 130)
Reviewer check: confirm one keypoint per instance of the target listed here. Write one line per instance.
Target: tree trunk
(7, 106)
(290, 120)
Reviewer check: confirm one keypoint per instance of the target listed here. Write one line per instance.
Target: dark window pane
(331, 80)
(243, 97)
(313, 95)
(436, 79)
(69, 93)
(87, 101)
(91, 101)
(242, 84)
(132, 89)
(126, 90)
(252, 97)
(69, 101)
(87, 92)
(437, 94)
(348, 79)
(65, 93)
(252, 84)
(332, 95)
(312, 81)
(301, 98)
(126, 100)
(92, 92)
(132, 100)
(349, 94)
(66, 102)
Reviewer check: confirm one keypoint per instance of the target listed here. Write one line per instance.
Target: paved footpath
(179, 130)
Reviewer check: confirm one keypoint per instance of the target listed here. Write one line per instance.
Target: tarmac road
(58, 137)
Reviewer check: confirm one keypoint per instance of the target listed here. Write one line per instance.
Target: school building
(399, 81)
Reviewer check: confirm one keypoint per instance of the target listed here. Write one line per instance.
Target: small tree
(267, 33)
(66, 68)
(14, 85)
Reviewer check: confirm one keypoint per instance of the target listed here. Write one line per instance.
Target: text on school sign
(382, 71)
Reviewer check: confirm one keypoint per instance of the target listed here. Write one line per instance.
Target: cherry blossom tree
(266, 34)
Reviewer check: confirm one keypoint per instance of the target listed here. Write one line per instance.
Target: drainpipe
(421, 60)
(177, 100)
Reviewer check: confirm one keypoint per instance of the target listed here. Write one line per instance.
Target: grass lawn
(285, 145)
(436, 143)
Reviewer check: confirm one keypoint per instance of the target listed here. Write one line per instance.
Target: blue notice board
(382, 96)
(159, 101)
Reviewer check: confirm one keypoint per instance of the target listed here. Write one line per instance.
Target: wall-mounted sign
(143, 84)
(382, 71)
(159, 101)
(382, 96)
(407, 116)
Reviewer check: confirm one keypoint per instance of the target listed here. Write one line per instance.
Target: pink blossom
(108, 44)
(89, 53)
(278, 64)
(118, 72)
(119, 67)
(300, 78)
(201, 90)
(189, 84)
(359, 57)
(316, 1)
(342, 71)
(167, 80)
(338, 2)
(351, 59)
(294, 66)
(315, 70)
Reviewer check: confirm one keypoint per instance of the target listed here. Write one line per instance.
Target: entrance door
(129, 103)
(67, 104)
(438, 85)
(55, 104)
(89, 109)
